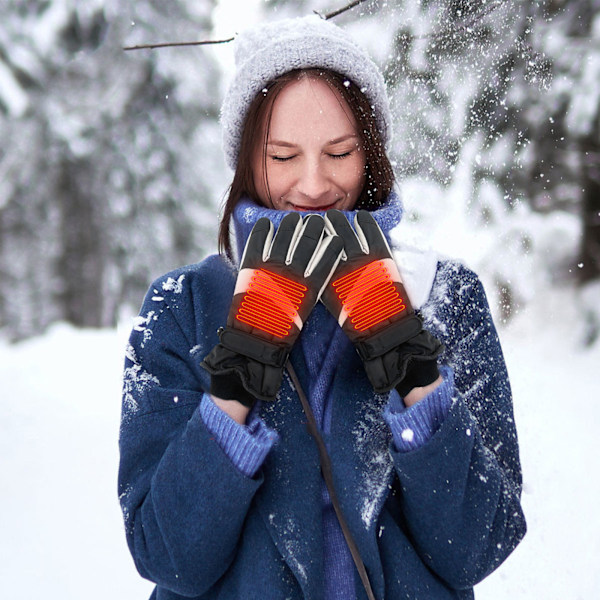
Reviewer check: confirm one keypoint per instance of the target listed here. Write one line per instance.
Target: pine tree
(108, 178)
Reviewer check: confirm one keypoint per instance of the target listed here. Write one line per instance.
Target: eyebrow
(330, 143)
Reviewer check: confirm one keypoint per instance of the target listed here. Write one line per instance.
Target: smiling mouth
(322, 208)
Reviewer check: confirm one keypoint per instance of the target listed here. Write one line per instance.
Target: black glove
(279, 282)
(368, 299)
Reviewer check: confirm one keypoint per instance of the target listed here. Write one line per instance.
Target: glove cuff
(250, 379)
(414, 361)
(388, 339)
(419, 373)
(252, 347)
(229, 386)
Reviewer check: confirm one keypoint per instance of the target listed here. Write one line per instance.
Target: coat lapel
(290, 499)
(361, 461)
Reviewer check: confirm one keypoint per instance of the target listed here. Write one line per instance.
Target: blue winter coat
(429, 523)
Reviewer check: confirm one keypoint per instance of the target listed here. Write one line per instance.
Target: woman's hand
(418, 393)
(367, 297)
(236, 410)
(280, 279)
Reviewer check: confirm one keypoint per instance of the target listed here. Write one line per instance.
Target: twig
(330, 15)
(339, 11)
(433, 35)
(170, 44)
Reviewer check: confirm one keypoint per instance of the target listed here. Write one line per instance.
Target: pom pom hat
(265, 52)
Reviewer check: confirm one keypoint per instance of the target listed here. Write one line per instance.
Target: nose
(313, 182)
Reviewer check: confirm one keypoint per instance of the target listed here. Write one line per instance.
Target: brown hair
(379, 173)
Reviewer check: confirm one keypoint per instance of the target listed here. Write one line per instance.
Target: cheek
(268, 183)
(280, 178)
(354, 177)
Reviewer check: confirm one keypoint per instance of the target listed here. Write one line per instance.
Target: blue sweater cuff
(246, 445)
(414, 426)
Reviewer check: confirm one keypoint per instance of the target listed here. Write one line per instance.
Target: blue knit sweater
(323, 342)
(430, 492)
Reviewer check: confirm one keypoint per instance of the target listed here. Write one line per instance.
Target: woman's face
(314, 160)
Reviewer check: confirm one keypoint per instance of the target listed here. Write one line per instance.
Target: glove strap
(252, 347)
(391, 337)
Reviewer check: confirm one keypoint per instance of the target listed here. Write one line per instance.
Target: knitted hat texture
(265, 52)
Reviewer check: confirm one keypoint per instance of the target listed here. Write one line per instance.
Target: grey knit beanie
(267, 51)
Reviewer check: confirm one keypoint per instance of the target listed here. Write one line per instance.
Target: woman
(219, 480)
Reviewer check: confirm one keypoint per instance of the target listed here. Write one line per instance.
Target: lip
(322, 208)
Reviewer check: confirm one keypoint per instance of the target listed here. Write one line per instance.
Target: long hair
(379, 178)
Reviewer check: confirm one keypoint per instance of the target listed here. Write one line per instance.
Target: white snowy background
(61, 533)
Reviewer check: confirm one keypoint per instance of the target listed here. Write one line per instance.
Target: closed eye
(282, 158)
(339, 156)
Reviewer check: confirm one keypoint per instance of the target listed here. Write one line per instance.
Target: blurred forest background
(111, 170)
(111, 174)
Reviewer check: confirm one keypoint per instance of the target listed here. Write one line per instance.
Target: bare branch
(339, 11)
(170, 44)
(492, 6)
(330, 15)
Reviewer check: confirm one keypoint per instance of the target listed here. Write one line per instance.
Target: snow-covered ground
(61, 534)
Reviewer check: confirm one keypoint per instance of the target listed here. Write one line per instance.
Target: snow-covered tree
(108, 176)
(113, 167)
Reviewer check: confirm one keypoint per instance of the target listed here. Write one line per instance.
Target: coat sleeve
(183, 500)
(460, 492)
